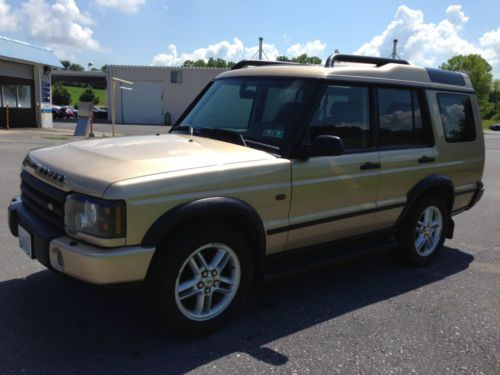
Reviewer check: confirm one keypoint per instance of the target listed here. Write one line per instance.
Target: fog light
(59, 258)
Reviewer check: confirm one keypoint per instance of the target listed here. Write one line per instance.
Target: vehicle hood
(90, 166)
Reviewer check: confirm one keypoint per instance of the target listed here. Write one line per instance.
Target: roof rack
(243, 63)
(378, 61)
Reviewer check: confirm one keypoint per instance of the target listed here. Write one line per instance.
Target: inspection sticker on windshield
(273, 133)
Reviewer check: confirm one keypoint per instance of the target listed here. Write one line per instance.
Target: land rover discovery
(273, 166)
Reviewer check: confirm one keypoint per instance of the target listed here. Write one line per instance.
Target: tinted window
(456, 117)
(399, 118)
(344, 111)
(263, 110)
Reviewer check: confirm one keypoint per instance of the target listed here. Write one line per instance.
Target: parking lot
(369, 316)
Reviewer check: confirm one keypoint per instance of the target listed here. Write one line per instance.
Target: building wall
(176, 96)
(20, 78)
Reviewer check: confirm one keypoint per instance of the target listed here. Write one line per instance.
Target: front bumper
(77, 259)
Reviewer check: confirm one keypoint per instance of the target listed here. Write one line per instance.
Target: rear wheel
(201, 278)
(423, 232)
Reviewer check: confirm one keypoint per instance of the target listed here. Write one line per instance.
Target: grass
(488, 122)
(77, 91)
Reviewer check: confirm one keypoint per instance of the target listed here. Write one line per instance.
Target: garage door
(144, 104)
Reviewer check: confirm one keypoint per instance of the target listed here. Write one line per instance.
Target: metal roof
(21, 51)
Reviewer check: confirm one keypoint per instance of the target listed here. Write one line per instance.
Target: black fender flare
(203, 207)
(423, 186)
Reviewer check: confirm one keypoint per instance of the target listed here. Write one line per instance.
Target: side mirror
(324, 145)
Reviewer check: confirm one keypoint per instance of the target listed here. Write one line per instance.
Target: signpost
(113, 98)
(85, 112)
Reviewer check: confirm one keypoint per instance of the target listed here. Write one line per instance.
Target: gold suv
(273, 166)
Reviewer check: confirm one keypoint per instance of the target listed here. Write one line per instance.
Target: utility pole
(260, 48)
(394, 49)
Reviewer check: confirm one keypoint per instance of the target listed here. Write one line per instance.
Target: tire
(423, 231)
(191, 300)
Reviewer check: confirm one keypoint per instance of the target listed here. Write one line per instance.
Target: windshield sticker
(273, 133)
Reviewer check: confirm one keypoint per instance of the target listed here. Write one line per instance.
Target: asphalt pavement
(368, 316)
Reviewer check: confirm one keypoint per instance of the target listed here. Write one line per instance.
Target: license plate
(24, 240)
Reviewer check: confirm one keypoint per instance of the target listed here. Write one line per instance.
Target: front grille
(43, 200)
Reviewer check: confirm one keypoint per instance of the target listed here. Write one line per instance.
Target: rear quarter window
(456, 117)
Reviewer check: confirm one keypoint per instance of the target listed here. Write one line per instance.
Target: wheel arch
(235, 212)
(440, 184)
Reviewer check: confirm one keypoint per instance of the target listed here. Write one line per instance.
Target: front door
(334, 197)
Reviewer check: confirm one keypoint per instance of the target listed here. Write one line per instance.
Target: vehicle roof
(390, 73)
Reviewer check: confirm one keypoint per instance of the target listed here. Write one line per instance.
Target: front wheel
(423, 232)
(201, 278)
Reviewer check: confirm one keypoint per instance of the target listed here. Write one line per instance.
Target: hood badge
(43, 170)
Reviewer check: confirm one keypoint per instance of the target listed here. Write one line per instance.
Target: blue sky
(165, 32)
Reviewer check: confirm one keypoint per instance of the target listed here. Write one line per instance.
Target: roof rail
(243, 63)
(378, 61)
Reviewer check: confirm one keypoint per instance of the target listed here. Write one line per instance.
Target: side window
(400, 118)
(276, 96)
(344, 111)
(456, 117)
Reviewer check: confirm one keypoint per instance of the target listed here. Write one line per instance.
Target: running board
(303, 260)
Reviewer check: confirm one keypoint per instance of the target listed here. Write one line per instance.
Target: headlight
(95, 217)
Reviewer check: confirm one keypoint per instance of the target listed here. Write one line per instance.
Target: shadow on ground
(51, 324)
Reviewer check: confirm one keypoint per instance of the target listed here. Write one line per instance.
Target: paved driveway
(370, 316)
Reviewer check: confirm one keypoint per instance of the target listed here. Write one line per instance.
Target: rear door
(334, 197)
(406, 145)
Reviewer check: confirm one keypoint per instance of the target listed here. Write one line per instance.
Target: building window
(9, 96)
(24, 96)
(15, 96)
(456, 117)
(176, 76)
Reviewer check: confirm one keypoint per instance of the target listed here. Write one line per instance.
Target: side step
(303, 260)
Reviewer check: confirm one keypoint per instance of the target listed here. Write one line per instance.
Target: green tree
(89, 96)
(76, 68)
(302, 59)
(282, 58)
(60, 95)
(211, 63)
(66, 64)
(495, 96)
(479, 72)
(104, 68)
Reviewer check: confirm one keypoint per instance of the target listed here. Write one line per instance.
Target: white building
(158, 93)
(25, 99)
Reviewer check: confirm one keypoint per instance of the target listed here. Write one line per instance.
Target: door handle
(369, 165)
(426, 159)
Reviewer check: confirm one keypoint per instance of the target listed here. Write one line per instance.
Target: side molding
(207, 206)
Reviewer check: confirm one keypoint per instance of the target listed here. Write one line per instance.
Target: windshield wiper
(227, 135)
(189, 128)
(224, 132)
(233, 136)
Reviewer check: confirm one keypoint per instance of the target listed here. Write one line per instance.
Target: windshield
(260, 110)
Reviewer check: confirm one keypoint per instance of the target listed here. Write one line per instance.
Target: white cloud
(125, 6)
(422, 43)
(61, 26)
(312, 48)
(8, 20)
(229, 51)
(490, 41)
